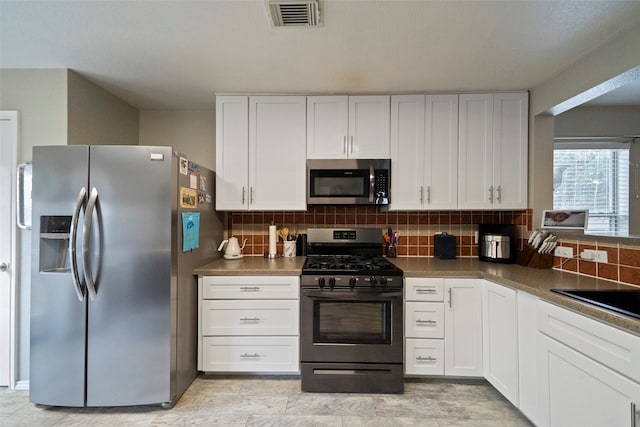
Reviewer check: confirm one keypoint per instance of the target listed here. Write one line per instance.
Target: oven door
(344, 325)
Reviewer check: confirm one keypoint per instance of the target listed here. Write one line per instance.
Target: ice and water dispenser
(54, 244)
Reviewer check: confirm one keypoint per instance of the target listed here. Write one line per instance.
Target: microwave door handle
(372, 183)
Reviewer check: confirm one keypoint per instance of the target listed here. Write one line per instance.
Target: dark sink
(622, 301)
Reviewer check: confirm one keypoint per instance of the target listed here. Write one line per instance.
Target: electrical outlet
(563, 251)
(595, 256)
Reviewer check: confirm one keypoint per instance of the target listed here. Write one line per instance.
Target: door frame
(12, 117)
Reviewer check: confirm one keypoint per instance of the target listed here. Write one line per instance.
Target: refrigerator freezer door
(129, 321)
(58, 327)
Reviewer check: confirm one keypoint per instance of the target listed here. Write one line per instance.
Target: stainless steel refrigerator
(113, 298)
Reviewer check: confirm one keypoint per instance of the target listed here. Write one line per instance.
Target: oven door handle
(372, 183)
(340, 295)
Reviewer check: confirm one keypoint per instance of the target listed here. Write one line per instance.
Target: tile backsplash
(417, 229)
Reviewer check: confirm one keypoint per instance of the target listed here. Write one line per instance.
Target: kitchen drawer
(424, 356)
(252, 317)
(250, 287)
(424, 319)
(250, 354)
(422, 289)
(610, 346)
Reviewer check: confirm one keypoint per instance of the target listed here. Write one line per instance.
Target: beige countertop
(537, 282)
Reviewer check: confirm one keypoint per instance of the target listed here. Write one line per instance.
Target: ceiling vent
(293, 13)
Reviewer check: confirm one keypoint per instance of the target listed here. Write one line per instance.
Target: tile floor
(278, 401)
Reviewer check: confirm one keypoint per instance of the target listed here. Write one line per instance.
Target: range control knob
(373, 281)
(321, 282)
(352, 282)
(332, 282)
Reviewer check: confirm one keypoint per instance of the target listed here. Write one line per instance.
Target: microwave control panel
(381, 181)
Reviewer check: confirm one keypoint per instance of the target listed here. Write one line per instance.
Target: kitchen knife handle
(75, 275)
(86, 234)
(491, 193)
(499, 196)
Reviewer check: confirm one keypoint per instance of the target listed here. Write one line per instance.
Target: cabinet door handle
(249, 319)
(243, 191)
(344, 144)
(251, 196)
(450, 298)
(247, 355)
(634, 415)
(249, 288)
(429, 194)
(351, 151)
(421, 194)
(499, 196)
(428, 322)
(425, 291)
(426, 359)
(491, 193)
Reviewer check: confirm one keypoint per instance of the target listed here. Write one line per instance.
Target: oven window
(352, 322)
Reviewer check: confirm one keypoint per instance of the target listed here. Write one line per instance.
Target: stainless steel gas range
(350, 314)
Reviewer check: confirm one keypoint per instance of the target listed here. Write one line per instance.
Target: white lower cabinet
(463, 327)
(500, 339)
(250, 354)
(588, 371)
(527, 353)
(248, 324)
(443, 337)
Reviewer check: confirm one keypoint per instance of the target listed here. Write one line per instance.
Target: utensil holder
(289, 248)
(392, 251)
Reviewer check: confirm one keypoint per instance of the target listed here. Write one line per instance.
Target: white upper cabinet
(493, 144)
(260, 152)
(232, 152)
(424, 141)
(355, 127)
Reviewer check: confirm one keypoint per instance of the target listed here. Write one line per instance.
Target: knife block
(529, 257)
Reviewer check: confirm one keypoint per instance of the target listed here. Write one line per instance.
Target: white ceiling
(177, 54)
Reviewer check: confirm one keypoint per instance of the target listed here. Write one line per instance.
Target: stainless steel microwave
(348, 181)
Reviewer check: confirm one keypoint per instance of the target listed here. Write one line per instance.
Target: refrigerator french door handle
(86, 231)
(75, 275)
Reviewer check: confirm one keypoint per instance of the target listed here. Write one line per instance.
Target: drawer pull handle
(634, 415)
(249, 319)
(249, 288)
(428, 322)
(425, 291)
(247, 355)
(426, 359)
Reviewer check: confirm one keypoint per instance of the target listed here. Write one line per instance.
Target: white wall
(598, 121)
(191, 133)
(96, 117)
(606, 68)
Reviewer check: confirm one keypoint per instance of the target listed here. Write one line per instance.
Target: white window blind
(594, 178)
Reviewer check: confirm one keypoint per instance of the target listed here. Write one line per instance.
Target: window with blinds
(594, 178)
